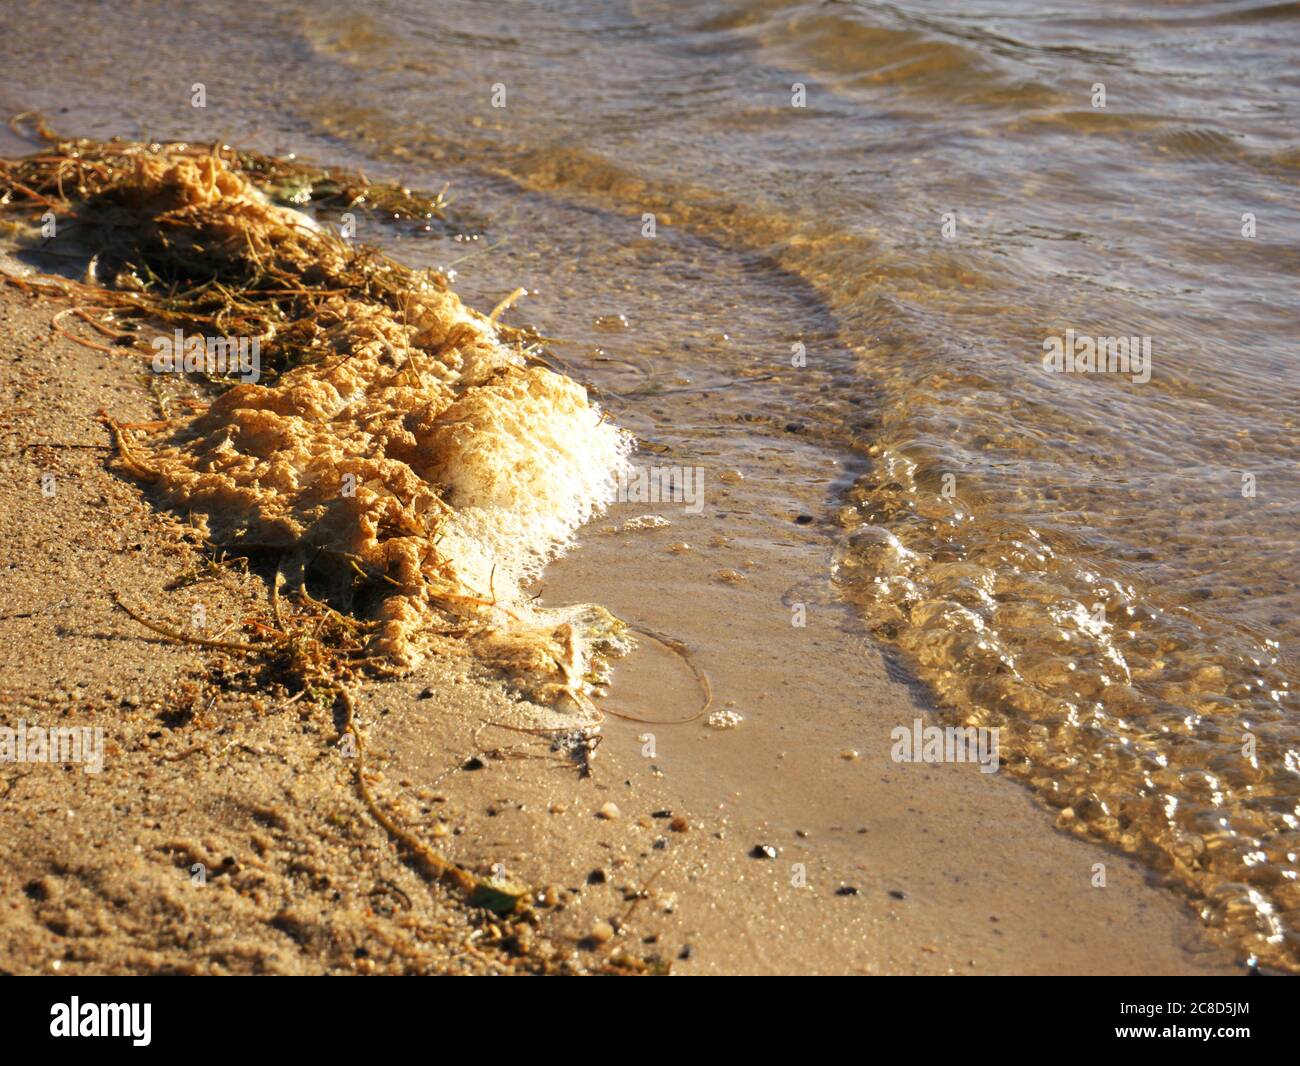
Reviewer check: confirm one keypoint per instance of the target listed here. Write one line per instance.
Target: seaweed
(369, 370)
(145, 271)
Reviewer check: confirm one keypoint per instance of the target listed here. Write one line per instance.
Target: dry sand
(954, 871)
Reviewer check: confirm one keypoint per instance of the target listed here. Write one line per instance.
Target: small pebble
(645, 521)
(763, 851)
(679, 825)
(846, 890)
(849, 755)
(609, 812)
(602, 932)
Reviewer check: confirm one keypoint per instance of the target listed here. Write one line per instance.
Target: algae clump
(396, 438)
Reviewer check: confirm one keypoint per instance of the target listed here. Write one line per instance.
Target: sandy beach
(97, 868)
(728, 488)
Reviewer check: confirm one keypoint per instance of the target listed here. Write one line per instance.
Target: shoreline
(108, 888)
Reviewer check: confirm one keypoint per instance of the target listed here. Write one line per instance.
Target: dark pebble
(846, 890)
(897, 893)
(474, 763)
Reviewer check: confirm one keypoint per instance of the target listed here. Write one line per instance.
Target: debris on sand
(397, 447)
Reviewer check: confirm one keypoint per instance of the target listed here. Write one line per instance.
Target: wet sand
(954, 870)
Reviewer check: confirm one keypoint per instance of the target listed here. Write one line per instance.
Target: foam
(422, 448)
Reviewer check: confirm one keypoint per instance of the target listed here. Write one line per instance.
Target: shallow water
(1102, 565)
